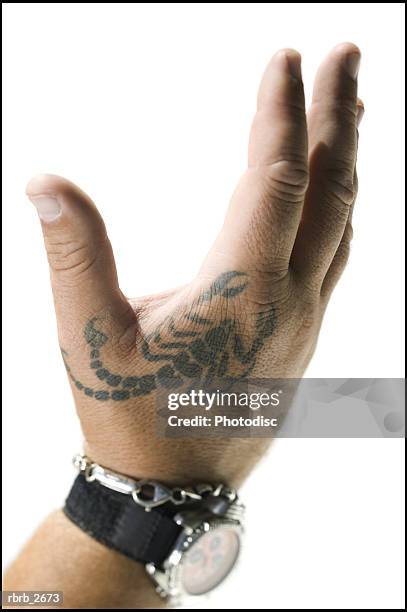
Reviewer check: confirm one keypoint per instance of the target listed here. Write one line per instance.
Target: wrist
(182, 462)
(166, 529)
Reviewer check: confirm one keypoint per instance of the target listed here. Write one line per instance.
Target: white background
(148, 107)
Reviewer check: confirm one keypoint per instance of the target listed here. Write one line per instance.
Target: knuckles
(72, 259)
(340, 188)
(286, 179)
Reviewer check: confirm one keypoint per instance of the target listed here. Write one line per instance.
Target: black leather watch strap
(114, 519)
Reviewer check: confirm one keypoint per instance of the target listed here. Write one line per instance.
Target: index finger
(271, 195)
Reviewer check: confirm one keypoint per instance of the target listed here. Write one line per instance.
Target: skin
(285, 242)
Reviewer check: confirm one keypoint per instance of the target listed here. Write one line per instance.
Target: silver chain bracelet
(147, 493)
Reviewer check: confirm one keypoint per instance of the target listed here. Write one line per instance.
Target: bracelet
(162, 527)
(150, 494)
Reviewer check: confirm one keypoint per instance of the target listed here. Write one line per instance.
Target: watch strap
(115, 520)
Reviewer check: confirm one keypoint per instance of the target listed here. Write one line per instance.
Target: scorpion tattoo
(206, 349)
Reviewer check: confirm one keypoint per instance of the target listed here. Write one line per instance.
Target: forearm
(61, 557)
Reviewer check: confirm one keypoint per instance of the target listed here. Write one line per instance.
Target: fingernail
(352, 64)
(360, 113)
(48, 208)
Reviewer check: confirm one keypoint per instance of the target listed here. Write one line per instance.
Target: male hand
(254, 308)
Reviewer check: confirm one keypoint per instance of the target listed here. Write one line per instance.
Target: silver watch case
(195, 524)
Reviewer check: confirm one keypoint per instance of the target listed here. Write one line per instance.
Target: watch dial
(209, 560)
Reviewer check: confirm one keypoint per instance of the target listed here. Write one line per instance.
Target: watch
(188, 539)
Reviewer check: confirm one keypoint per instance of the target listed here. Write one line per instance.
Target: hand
(256, 305)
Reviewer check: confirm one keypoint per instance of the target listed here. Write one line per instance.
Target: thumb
(83, 272)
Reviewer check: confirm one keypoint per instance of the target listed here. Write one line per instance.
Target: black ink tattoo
(210, 349)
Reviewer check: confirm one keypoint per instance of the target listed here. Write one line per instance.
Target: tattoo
(200, 348)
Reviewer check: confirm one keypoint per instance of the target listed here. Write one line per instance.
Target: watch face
(209, 560)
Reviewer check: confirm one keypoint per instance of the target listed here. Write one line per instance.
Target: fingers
(83, 271)
(341, 256)
(360, 111)
(278, 155)
(279, 127)
(332, 122)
